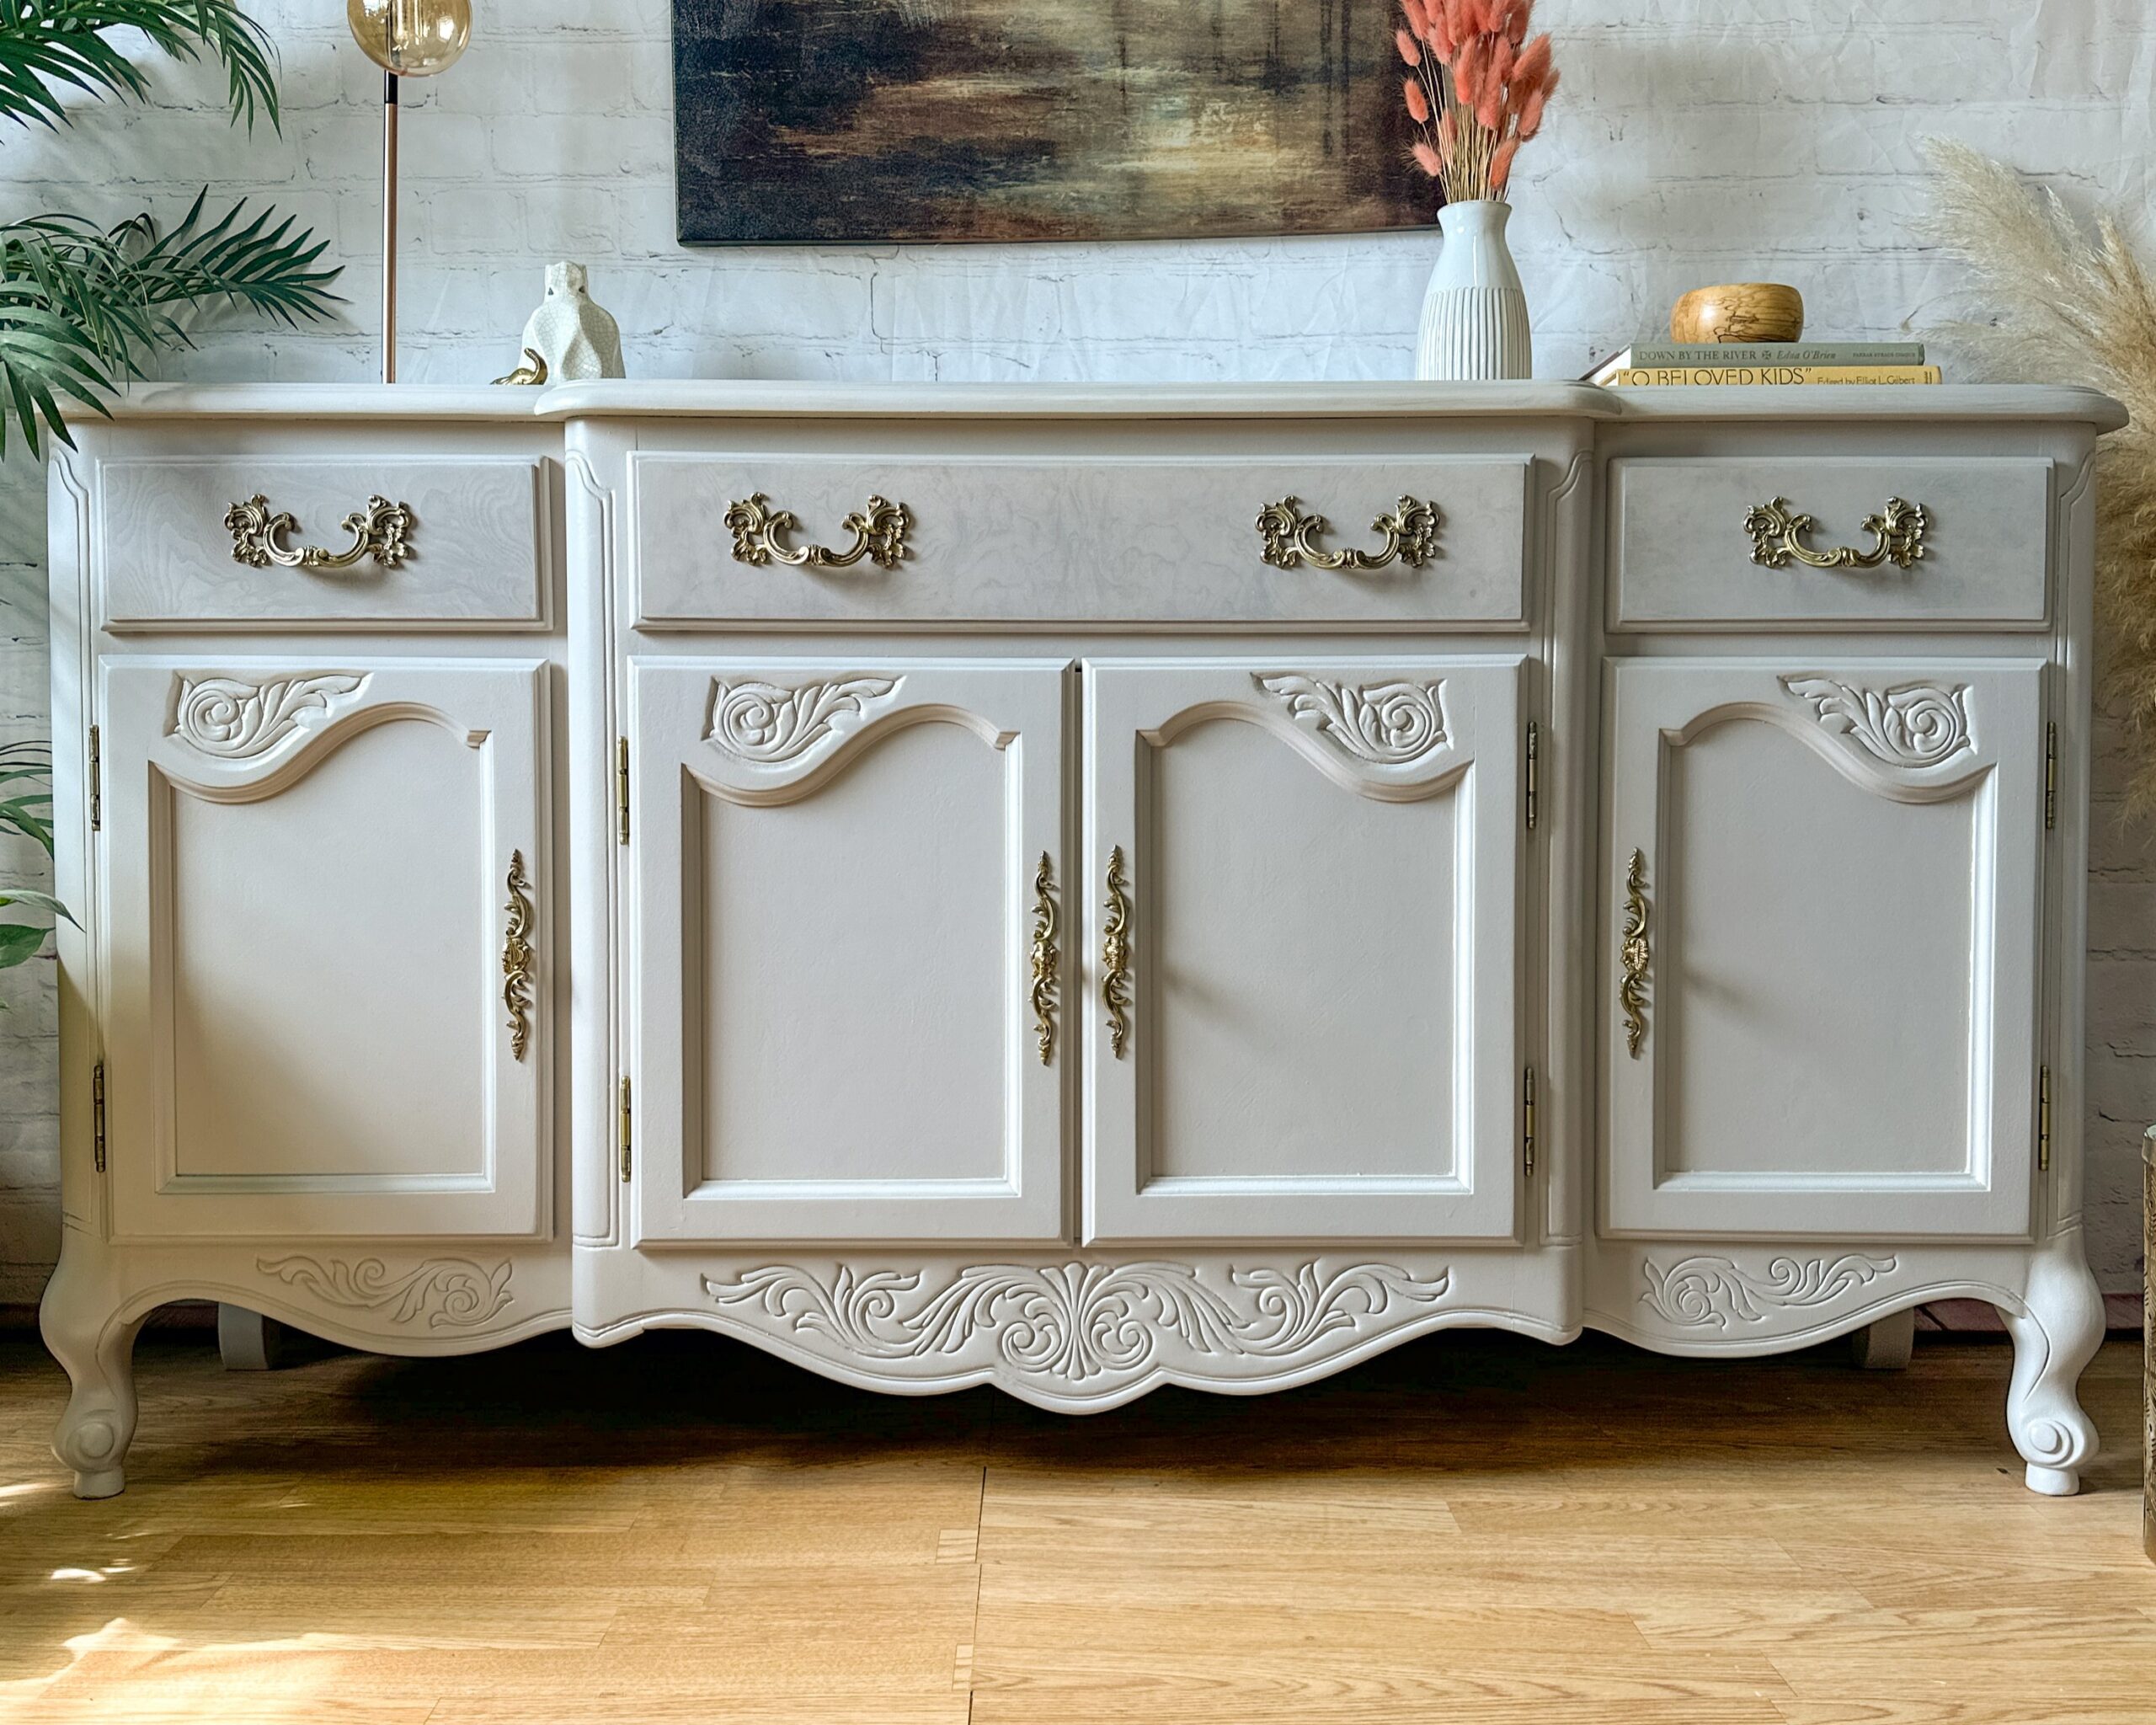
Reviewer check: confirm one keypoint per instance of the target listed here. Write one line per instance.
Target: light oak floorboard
(1474, 1528)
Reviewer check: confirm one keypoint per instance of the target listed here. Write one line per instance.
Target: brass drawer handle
(1046, 958)
(1410, 529)
(1115, 954)
(379, 531)
(760, 532)
(1631, 992)
(518, 957)
(1777, 537)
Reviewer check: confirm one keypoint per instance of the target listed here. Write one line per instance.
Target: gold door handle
(1410, 529)
(1778, 533)
(1635, 954)
(1115, 954)
(518, 957)
(379, 531)
(1046, 958)
(761, 534)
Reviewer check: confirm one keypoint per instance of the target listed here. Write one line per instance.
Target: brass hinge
(97, 1115)
(1527, 1109)
(623, 1128)
(97, 787)
(2051, 777)
(622, 788)
(1534, 774)
(2044, 1120)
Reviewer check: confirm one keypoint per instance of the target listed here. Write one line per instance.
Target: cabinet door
(319, 877)
(839, 867)
(1312, 870)
(1820, 940)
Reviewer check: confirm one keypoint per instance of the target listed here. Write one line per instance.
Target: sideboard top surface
(683, 398)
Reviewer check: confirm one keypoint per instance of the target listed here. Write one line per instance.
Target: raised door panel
(1820, 972)
(838, 869)
(1315, 875)
(327, 963)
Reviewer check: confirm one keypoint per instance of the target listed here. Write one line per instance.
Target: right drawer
(1696, 543)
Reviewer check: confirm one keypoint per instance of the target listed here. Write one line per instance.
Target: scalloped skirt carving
(1065, 1332)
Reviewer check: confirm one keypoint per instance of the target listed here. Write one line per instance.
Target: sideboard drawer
(351, 540)
(1711, 542)
(1100, 542)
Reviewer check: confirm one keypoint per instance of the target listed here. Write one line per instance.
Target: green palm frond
(49, 45)
(80, 305)
(29, 814)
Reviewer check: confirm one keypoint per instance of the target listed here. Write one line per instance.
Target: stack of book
(1653, 364)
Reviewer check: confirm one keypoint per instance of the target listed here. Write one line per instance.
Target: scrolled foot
(98, 1353)
(2054, 1337)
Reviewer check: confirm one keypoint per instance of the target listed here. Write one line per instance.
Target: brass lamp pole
(406, 39)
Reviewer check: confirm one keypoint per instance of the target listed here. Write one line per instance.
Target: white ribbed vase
(1474, 312)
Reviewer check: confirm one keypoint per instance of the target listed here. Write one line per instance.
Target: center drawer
(742, 539)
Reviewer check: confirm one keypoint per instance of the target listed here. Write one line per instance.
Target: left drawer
(351, 540)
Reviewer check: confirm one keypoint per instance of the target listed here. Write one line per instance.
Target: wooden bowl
(1738, 311)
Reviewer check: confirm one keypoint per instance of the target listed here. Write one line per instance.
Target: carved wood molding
(1078, 1321)
(1913, 726)
(449, 1293)
(244, 719)
(1385, 723)
(770, 724)
(1708, 1292)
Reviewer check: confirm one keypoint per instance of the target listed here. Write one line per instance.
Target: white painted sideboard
(1087, 923)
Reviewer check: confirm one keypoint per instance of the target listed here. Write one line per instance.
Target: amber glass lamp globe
(411, 38)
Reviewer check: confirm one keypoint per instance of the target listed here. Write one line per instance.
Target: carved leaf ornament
(449, 1293)
(1912, 724)
(235, 719)
(1076, 1321)
(770, 724)
(1387, 724)
(1706, 1292)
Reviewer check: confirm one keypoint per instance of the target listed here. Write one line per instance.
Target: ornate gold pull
(1410, 530)
(1777, 537)
(379, 531)
(1046, 958)
(760, 534)
(517, 957)
(1115, 954)
(1631, 992)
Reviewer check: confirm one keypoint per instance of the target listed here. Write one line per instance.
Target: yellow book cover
(1659, 376)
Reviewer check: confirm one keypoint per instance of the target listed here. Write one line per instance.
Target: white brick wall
(1696, 140)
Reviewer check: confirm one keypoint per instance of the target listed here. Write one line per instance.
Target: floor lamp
(406, 39)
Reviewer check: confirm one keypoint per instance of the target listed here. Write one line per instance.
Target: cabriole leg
(2054, 1340)
(98, 1351)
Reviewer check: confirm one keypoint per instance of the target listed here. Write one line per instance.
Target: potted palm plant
(83, 305)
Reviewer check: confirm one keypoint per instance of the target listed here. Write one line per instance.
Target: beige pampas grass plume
(2060, 305)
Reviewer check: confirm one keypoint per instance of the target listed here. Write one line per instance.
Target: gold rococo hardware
(379, 531)
(1778, 533)
(1410, 530)
(517, 957)
(1635, 952)
(1115, 954)
(759, 535)
(1046, 958)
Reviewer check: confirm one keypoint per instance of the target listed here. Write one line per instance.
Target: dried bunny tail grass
(2059, 305)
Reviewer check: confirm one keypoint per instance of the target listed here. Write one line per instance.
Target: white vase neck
(1475, 216)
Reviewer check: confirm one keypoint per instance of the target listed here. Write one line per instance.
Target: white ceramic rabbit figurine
(572, 336)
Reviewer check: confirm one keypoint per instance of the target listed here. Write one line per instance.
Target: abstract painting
(821, 121)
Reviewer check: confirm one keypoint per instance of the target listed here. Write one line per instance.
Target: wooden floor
(1475, 1528)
